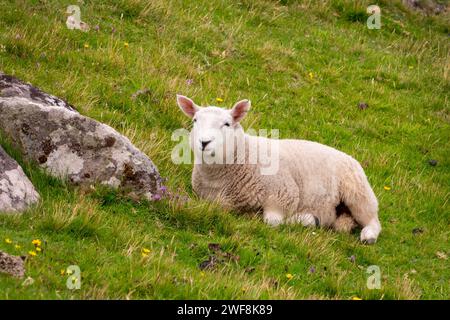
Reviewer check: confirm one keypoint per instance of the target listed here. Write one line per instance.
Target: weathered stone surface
(68, 145)
(13, 87)
(12, 265)
(428, 7)
(16, 190)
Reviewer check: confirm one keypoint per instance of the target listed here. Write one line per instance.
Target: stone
(17, 192)
(68, 145)
(429, 7)
(363, 105)
(12, 265)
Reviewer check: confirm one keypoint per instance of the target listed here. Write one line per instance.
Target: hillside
(312, 69)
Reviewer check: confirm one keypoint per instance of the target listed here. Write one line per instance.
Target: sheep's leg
(276, 217)
(273, 217)
(366, 215)
(306, 219)
(365, 212)
(364, 209)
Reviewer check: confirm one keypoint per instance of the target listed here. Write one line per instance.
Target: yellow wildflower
(37, 242)
(86, 46)
(219, 99)
(289, 276)
(17, 246)
(63, 272)
(356, 298)
(126, 44)
(8, 240)
(32, 253)
(38, 249)
(387, 188)
(145, 252)
(311, 75)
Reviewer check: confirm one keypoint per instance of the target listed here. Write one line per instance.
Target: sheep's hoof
(369, 234)
(369, 241)
(316, 221)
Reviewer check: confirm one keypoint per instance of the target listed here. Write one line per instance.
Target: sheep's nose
(205, 143)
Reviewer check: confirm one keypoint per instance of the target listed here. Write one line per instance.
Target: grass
(305, 65)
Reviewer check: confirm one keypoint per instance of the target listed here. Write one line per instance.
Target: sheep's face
(213, 128)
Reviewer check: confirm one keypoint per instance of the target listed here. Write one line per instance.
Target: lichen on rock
(69, 145)
(12, 265)
(16, 190)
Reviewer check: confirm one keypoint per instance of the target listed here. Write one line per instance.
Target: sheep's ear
(187, 105)
(240, 109)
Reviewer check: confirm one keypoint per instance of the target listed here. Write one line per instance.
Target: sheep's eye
(227, 124)
(195, 120)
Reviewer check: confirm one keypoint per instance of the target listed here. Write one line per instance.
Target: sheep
(313, 184)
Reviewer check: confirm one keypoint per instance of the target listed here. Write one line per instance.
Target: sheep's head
(213, 127)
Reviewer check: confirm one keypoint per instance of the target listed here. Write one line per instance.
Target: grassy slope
(263, 51)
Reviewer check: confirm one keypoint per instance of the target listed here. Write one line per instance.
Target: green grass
(264, 51)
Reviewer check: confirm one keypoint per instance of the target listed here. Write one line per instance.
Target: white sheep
(312, 183)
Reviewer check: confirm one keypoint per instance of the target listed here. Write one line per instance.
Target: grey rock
(16, 190)
(429, 7)
(71, 146)
(363, 105)
(141, 92)
(12, 265)
(13, 87)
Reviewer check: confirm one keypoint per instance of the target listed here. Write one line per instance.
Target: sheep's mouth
(212, 153)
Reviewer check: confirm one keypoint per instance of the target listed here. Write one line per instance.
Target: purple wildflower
(156, 197)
